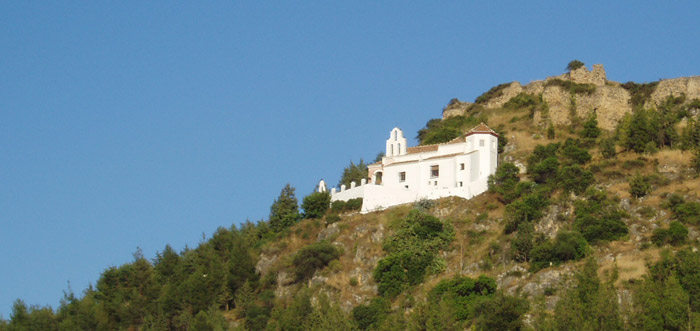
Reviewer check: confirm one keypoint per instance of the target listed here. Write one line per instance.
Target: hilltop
(591, 221)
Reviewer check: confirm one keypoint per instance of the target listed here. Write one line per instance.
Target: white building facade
(460, 168)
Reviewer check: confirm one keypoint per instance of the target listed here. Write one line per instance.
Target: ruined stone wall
(457, 108)
(508, 93)
(690, 86)
(610, 100)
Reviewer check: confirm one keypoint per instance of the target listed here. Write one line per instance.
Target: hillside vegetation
(582, 228)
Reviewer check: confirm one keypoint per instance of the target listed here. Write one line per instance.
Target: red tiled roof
(421, 149)
(481, 128)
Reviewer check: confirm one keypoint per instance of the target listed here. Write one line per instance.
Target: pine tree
(284, 212)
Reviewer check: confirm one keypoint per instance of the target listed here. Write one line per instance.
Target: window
(402, 176)
(460, 184)
(434, 171)
(461, 166)
(392, 151)
(481, 143)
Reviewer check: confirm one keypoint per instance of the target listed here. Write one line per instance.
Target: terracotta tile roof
(481, 128)
(421, 149)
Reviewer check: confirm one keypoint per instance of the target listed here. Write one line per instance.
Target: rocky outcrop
(507, 93)
(610, 101)
(690, 86)
(455, 108)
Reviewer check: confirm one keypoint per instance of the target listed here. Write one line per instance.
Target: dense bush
(528, 208)
(574, 64)
(565, 247)
(575, 179)
(639, 185)
(685, 212)
(353, 173)
(640, 92)
(505, 181)
(573, 152)
(439, 131)
(607, 148)
(676, 234)
(371, 315)
(463, 294)
(313, 257)
(316, 204)
(590, 131)
(340, 206)
(412, 252)
(543, 163)
(598, 218)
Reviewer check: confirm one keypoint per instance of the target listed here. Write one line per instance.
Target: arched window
(399, 152)
(392, 150)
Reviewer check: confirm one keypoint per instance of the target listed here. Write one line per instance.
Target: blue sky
(140, 124)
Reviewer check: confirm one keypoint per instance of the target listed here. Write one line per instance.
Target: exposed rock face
(508, 93)
(581, 75)
(455, 108)
(690, 86)
(610, 103)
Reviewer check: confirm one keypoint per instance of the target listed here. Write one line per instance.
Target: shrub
(371, 315)
(590, 128)
(462, 294)
(695, 162)
(316, 204)
(313, 257)
(439, 131)
(639, 185)
(573, 88)
(340, 206)
(412, 252)
(353, 173)
(676, 234)
(573, 65)
(598, 218)
(574, 153)
(526, 209)
(607, 148)
(566, 246)
(688, 212)
(640, 92)
(575, 179)
(492, 93)
(523, 101)
(504, 181)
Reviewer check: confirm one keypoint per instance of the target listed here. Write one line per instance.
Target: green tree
(502, 312)
(353, 173)
(575, 179)
(590, 131)
(284, 212)
(371, 315)
(504, 181)
(607, 148)
(588, 304)
(574, 64)
(316, 204)
(639, 185)
(313, 257)
(695, 161)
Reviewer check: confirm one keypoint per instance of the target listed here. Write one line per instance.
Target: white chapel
(460, 167)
